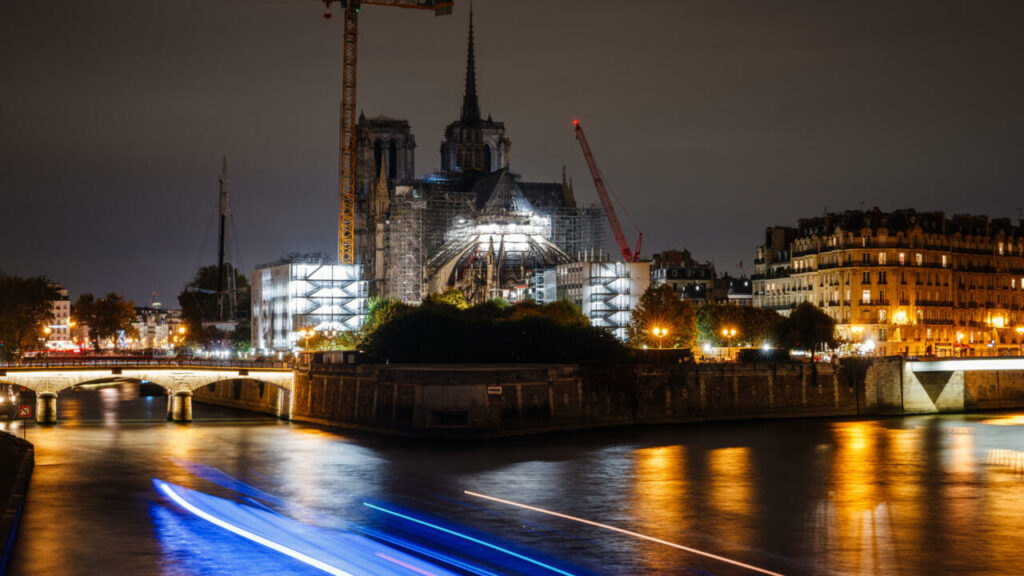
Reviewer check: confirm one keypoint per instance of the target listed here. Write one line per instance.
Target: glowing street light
(306, 335)
(728, 333)
(659, 333)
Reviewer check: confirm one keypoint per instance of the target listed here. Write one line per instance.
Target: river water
(916, 495)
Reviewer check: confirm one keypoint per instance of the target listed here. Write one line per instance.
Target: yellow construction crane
(347, 165)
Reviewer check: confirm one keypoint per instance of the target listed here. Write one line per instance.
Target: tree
(561, 312)
(450, 297)
(808, 328)
(106, 317)
(25, 309)
(200, 303)
(661, 308)
(753, 326)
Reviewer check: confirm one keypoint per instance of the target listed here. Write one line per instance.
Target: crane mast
(347, 164)
(606, 201)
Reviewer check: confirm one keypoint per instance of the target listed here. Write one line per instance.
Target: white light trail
(166, 489)
(626, 532)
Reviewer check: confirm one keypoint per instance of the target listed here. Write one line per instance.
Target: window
(865, 258)
(1000, 248)
(919, 258)
(882, 316)
(881, 258)
(865, 297)
(943, 260)
(881, 278)
(865, 278)
(903, 258)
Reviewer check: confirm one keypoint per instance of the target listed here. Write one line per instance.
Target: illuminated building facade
(60, 323)
(303, 293)
(902, 282)
(156, 327)
(606, 292)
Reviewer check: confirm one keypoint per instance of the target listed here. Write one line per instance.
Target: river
(914, 495)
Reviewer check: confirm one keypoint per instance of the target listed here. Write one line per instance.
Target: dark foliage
(808, 328)
(199, 304)
(105, 317)
(25, 310)
(490, 333)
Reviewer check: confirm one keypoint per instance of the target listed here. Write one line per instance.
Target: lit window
(903, 258)
(881, 258)
(865, 297)
(920, 259)
(943, 260)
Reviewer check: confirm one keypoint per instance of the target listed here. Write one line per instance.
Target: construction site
(473, 223)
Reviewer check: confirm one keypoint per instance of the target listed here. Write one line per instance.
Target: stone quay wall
(486, 400)
(17, 458)
(472, 400)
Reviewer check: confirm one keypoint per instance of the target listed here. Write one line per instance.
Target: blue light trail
(471, 539)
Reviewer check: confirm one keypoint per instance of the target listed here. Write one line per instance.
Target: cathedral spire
(470, 105)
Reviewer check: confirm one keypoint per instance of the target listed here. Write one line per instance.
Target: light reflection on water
(921, 495)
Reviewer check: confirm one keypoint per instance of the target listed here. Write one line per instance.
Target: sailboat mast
(222, 237)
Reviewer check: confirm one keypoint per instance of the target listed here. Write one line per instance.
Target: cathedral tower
(472, 144)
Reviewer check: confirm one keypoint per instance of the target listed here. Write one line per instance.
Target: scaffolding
(445, 210)
(579, 231)
(405, 247)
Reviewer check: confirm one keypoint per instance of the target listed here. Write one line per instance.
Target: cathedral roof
(504, 195)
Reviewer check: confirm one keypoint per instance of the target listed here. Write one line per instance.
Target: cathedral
(473, 224)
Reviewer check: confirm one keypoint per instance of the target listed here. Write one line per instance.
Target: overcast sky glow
(712, 119)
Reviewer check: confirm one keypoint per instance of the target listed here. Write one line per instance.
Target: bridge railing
(146, 361)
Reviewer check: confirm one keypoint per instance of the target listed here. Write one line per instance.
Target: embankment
(17, 458)
(474, 400)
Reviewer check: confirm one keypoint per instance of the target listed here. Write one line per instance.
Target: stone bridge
(179, 379)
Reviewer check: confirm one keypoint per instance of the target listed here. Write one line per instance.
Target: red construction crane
(347, 167)
(620, 238)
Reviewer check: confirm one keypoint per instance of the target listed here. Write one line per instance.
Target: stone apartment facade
(905, 282)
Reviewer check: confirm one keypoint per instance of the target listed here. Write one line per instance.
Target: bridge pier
(284, 404)
(181, 406)
(46, 408)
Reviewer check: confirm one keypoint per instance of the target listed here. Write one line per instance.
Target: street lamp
(306, 335)
(659, 333)
(728, 333)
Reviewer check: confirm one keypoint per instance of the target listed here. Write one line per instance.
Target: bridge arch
(180, 383)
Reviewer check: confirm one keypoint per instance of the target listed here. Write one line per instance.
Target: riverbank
(493, 400)
(17, 459)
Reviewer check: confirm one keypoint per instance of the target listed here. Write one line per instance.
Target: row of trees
(444, 328)
(26, 310)
(662, 320)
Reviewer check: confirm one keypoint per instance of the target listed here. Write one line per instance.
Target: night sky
(712, 119)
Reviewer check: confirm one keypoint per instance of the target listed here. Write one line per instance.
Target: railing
(132, 361)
